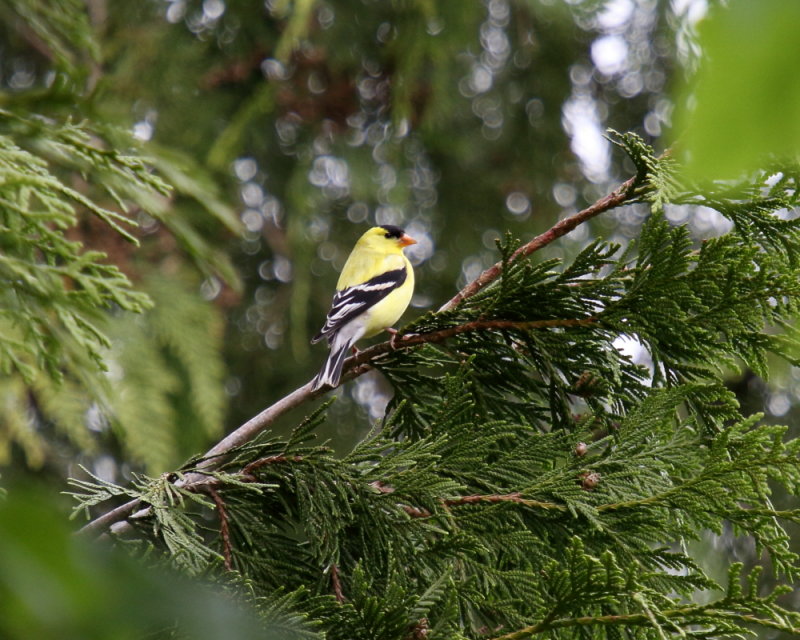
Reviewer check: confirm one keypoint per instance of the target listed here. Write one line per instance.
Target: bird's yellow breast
(388, 311)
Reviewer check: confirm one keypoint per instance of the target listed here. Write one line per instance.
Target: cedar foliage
(532, 480)
(528, 480)
(75, 196)
(59, 295)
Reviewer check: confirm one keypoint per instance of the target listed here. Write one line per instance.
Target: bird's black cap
(392, 231)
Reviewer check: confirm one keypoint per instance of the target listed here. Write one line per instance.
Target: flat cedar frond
(530, 479)
(64, 26)
(562, 432)
(57, 294)
(54, 329)
(499, 519)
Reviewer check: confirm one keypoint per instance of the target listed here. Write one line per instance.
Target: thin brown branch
(117, 514)
(336, 583)
(360, 363)
(619, 196)
(355, 366)
(212, 458)
(224, 529)
(515, 497)
(415, 512)
(503, 497)
(687, 614)
(247, 470)
(433, 337)
(256, 425)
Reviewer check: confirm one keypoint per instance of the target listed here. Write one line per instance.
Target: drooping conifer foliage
(529, 479)
(561, 455)
(78, 200)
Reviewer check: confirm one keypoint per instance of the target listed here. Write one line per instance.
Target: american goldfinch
(373, 291)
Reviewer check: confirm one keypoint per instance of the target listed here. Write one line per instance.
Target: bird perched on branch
(373, 291)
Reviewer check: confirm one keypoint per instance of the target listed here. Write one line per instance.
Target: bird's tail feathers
(331, 372)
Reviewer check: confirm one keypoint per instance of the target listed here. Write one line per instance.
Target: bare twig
(247, 471)
(101, 523)
(212, 457)
(415, 512)
(515, 497)
(336, 583)
(503, 497)
(361, 362)
(619, 196)
(256, 425)
(224, 530)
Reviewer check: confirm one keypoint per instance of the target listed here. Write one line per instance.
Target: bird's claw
(396, 336)
(393, 339)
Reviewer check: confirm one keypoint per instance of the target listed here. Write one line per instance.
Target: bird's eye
(392, 232)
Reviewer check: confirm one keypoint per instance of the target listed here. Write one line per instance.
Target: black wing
(353, 301)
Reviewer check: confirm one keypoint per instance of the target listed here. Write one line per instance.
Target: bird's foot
(393, 339)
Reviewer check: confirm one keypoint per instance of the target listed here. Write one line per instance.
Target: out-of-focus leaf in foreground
(743, 102)
(55, 586)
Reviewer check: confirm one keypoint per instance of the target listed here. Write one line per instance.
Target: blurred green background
(288, 127)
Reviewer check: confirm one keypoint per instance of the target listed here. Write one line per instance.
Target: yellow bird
(373, 291)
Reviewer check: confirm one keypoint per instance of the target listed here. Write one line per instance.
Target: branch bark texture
(621, 195)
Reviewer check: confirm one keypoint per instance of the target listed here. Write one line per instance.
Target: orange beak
(406, 240)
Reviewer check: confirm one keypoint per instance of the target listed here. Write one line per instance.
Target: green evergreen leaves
(496, 522)
(560, 438)
(55, 291)
(169, 394)
(66, 191)
(53, 286)
(529, 479)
